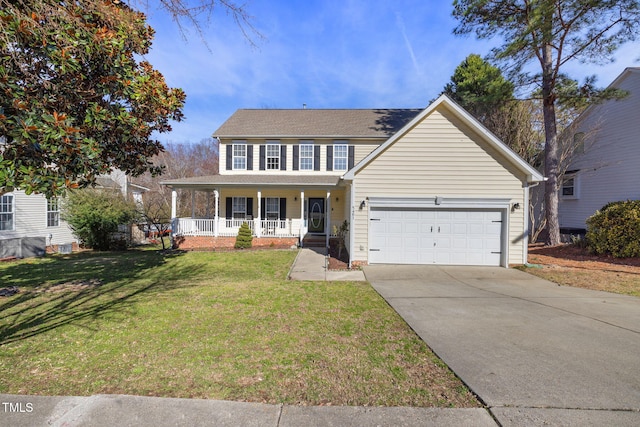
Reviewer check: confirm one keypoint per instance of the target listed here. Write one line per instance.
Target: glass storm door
(315, 218)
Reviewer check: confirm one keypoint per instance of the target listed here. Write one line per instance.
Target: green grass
(209, 325)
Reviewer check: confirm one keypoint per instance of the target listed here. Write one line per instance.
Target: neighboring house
(606, 165)
(31, 224)
(428, 186)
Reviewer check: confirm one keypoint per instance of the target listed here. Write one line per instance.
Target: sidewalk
(138, 411)
(310, 264)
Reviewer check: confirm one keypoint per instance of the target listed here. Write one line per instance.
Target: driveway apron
(533, 351)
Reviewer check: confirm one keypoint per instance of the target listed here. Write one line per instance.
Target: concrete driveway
(536, 353)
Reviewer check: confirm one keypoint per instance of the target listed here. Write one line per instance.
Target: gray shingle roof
(265, 123)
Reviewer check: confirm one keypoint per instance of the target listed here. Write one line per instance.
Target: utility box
(23, 247)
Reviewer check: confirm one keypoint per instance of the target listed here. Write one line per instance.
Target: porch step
(314, 241)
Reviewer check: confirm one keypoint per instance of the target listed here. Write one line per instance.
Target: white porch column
(327, 219)
(216, 215)
(258, 222)
(301, 215)
(174, 203)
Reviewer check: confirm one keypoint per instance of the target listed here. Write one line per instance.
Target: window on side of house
(6, 212)
(239, 208)
(273, 155)
(569, 188)
(306, 155)
(53, 212)
(340, 156)
(239, 155)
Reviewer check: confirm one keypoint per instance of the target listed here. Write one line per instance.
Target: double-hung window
(239, 208)
(239, 155)
(340, 156)
(53, 212)
(6, 212)
(570, 188)
(306, 155)
(272, 208)
(273, 155)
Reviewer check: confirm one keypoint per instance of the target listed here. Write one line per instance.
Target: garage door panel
(434, 236)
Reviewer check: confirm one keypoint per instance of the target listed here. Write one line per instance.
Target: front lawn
(209, 325)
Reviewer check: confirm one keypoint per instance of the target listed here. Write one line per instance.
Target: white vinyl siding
(440, 156)
(30, 220)
(6, 212)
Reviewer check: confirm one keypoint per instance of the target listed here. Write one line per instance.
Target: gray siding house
(606, 166)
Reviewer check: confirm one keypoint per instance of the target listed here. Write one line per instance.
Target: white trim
(532, 174)
(439, 202)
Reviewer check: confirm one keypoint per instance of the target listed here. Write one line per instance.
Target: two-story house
(428, 186)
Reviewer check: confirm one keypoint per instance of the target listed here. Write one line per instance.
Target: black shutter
(296, 157)
(283, 208)
(229, 156)
(263, 155)
(229, 212)
(329, 157)
(250, 207)
(352, 153)
(316, 158)
(249, 157)
(283, 157)
(263, 208)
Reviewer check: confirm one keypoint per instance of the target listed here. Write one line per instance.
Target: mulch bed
(577, 257)
(335, 262)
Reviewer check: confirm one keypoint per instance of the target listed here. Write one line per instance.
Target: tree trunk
(551, 164)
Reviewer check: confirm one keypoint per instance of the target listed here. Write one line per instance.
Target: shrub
(244, 238)
(94, 217)
(615, 229)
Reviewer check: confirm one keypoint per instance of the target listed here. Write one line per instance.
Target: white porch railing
(289, 227)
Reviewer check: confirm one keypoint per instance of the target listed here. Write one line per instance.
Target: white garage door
(434, 236)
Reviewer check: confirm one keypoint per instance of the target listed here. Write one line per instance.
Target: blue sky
(322, 53)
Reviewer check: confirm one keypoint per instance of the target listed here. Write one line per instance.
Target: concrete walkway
(138, 411)
(536, 353)
(310, 264)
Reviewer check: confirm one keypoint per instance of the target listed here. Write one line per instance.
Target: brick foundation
(213, 243)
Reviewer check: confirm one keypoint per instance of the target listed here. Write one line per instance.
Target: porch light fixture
(363, 204)
(295, 198)
(516, 206)
(337, 199)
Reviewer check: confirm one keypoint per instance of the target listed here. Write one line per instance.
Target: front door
(315, 216)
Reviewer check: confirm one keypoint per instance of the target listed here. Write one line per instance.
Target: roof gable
(307, 123)
(444, 101)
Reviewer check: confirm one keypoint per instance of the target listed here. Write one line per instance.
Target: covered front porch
(287, 209)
